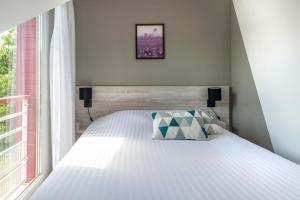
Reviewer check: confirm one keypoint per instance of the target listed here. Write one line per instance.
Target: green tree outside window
(7, 78)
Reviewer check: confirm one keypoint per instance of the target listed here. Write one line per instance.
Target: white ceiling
(14, 12)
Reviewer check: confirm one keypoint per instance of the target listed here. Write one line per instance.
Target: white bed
(117, 159)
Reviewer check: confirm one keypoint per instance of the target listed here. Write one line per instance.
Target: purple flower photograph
(150, 41)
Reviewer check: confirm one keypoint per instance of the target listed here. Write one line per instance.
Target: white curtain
(62, 81)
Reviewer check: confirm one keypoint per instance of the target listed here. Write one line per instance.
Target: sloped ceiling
(14, 12)
(271, 35)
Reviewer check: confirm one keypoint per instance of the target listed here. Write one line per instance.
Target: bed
(116, 158)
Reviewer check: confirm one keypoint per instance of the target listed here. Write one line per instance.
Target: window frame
(43, 165)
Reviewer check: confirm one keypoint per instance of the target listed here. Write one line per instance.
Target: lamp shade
(215, 94)
(85, 93)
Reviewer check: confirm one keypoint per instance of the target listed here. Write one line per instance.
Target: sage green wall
(203, 40)
(247, 117)
(197, 42)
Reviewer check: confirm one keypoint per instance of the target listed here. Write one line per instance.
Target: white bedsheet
(117, 159)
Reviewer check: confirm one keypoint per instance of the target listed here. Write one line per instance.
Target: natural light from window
(18, 106)
(84, 152)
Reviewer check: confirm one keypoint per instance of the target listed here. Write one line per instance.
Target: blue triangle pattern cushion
(190, 120)
(178, 125)
(174, 122)
(164, 130)
(192, 112)
(163, 123)
(180, 135)
(154, 115)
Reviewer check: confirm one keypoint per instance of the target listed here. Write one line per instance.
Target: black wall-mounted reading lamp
(86, 95)
(214, 94)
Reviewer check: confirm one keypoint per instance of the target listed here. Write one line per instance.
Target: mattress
(117, 159)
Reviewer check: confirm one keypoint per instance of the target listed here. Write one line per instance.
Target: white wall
(14, 12)
(271, 34)
(245, 101)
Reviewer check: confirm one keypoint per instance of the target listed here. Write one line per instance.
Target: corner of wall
(247, 117)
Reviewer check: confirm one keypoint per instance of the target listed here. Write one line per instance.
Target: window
(18, 107)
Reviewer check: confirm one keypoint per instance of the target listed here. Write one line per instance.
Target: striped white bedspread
(117, 159)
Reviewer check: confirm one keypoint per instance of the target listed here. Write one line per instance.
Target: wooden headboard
(108, 99)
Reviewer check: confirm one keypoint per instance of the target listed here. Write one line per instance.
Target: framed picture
(150, 41)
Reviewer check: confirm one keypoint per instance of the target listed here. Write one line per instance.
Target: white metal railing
(13, 159)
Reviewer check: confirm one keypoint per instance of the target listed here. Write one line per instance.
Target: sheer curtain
(62, 81)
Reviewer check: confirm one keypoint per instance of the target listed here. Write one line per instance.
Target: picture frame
(150, 41)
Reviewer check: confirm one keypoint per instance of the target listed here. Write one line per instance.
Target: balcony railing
(13, 157)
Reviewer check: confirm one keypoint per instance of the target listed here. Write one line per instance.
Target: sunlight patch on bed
(93, 152)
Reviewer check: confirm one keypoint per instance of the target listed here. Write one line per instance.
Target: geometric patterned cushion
(178, 125)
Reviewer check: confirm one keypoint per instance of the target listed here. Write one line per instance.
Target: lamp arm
(219, 118)
(90, 115)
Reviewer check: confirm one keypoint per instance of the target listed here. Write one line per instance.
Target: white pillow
(212, 124)
(214, 129)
